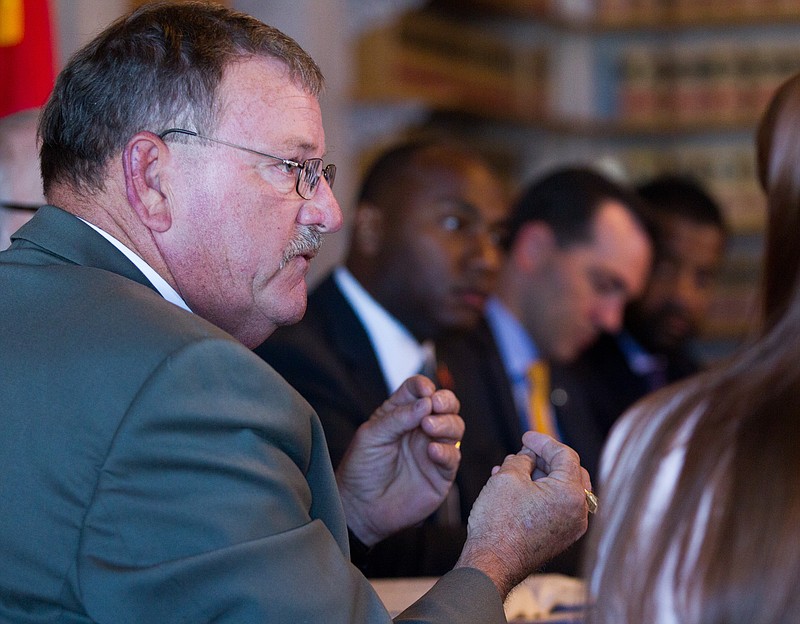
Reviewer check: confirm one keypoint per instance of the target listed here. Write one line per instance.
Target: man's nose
(610, 313)
(486, 252)
(322, 210)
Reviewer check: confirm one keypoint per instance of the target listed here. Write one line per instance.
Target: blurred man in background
(655, 347)
(577, 252)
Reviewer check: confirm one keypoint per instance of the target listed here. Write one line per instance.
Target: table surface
(539, 599)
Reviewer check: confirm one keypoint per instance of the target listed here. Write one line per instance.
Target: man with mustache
(423, 258)
(154, 470)
(655, 346)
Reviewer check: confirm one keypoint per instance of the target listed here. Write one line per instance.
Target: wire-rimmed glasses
(308, 171)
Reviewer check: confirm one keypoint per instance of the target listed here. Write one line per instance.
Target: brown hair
(154, 69)
(724, 548)
(568, 199)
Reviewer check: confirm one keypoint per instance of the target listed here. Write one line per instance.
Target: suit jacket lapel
(499, 379)
(59, 233)
(349, 338)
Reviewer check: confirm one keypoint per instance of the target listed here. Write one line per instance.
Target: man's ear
(368, 229)
(535, 243)
(143, 161)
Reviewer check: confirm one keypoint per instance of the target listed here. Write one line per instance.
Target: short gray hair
(156, 68)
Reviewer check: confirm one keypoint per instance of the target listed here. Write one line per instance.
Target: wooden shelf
(452, 67)
(484, 106)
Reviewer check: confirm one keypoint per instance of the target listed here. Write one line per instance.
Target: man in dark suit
(423, 258)
(576, 251)
(154, 469)
(655, 346)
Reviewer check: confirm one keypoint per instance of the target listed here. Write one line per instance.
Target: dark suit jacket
(608, 384)
(487, 407)
(329, 359)
(481, 382)
(154, 469)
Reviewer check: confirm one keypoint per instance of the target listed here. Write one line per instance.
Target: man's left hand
(402, 461)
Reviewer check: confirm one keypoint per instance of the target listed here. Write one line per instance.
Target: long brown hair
(728, 536)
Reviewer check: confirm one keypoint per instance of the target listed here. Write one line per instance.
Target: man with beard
(424, 256)
(655, 346)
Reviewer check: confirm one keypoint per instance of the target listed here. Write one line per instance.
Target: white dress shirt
(399, 354)
(158, 282)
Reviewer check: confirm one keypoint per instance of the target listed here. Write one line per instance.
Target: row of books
(457, 65)
(726, 169)
(687, 11)
(723, 82)
(453, 66)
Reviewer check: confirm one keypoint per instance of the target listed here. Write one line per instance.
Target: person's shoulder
(108, 308)
(683, 363)
(598, 353)
(130, 308)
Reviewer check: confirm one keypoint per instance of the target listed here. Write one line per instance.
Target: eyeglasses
(308, 171)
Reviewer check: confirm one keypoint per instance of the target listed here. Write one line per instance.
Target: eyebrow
(297, 143)
(459, 203)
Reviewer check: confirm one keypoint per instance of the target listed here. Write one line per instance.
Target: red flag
(27, 69)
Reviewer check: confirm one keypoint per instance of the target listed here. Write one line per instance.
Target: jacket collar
(62, 234)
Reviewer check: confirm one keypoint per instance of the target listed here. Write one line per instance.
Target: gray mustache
(306, 242)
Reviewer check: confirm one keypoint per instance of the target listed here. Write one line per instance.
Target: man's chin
(671, 339)
(291, 320)
(463, 319)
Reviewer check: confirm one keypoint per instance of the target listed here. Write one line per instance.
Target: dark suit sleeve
(301, 354)
(463, 595)
(216, 502)
(318, 376)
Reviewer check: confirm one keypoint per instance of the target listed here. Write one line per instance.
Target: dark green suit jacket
(154, 470)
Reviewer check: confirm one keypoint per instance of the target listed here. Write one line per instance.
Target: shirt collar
(516, 347)
(640, 361)
(399, 354)
(158, 282)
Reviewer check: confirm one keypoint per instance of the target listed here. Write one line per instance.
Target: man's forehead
(619, 249)
(461, 178)
(260, 96)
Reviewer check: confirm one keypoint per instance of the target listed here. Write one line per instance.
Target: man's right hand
(531, 509)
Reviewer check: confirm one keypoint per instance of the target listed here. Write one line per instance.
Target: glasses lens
(309, 177)
(329, 173)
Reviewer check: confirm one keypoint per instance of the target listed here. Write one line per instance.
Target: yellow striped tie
(540, 414)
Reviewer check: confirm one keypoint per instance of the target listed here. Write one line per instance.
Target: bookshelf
(639, 87)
